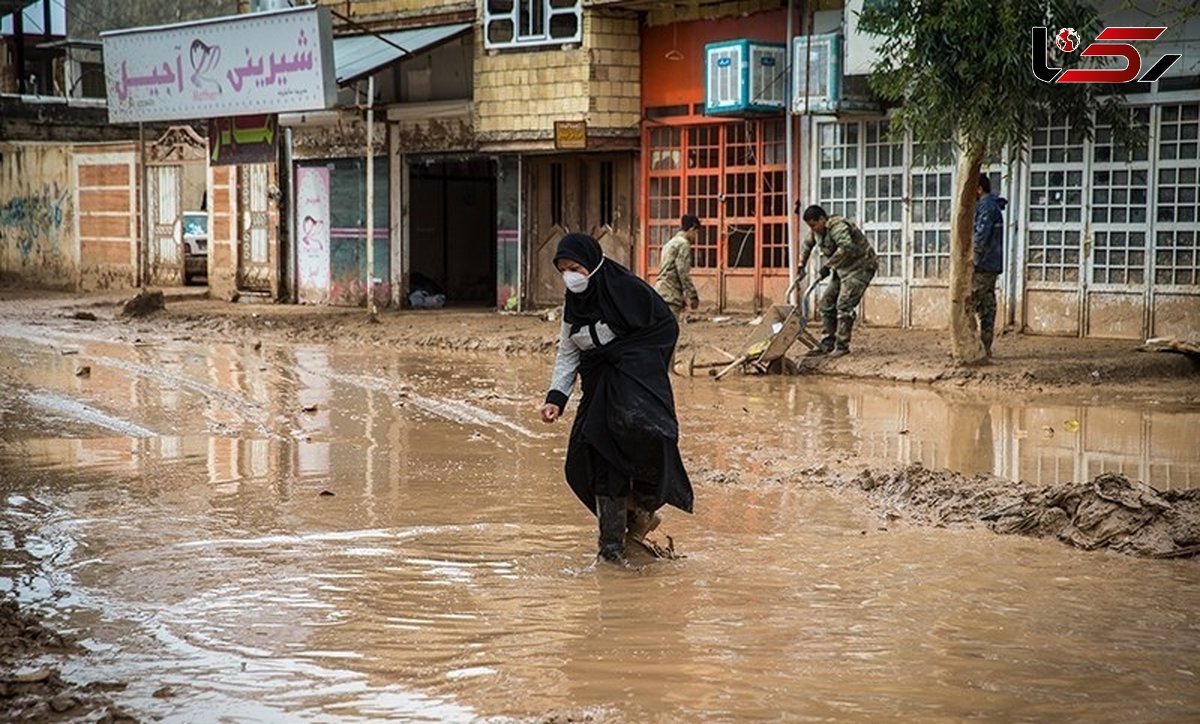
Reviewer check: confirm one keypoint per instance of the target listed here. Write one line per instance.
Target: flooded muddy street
(308, 532)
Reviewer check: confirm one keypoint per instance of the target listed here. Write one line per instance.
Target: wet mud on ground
(1029, 364)
(31, 685)
(1110, 512)
(258, 524)
(1024, 364)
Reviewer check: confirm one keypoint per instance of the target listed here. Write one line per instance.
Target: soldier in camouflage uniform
(674, 283)
(850, 261)
(989, 259)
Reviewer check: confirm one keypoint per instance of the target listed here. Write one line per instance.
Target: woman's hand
(550, 412)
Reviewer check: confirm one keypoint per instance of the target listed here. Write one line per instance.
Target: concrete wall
(443, 73)
(37, 216)
(55, 121)
(398, 10)
(345, 139)
(667, 13)
(519, 94)
(88, 24)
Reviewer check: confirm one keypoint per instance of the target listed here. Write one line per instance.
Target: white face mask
(577, 282)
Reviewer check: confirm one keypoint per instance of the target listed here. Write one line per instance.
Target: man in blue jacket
(989, 258)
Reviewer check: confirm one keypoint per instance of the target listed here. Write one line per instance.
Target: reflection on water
(1046, 444)
(449, 576)
(295, 399)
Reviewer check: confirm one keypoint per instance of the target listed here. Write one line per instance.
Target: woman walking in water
(618, 336)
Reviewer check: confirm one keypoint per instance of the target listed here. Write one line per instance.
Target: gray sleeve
(566, 364)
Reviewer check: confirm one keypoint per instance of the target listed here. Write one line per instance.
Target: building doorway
(452, 217)
(589, 193)
(733, 175)
(177, 184)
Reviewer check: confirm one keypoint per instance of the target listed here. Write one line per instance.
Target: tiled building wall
(520, 93)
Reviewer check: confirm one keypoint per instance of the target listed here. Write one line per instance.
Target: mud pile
(144, 303)
(21, 634)
(1108, 512)
(37, 692)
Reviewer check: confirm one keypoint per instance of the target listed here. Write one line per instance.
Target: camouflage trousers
(681, 319)
(983, 304)
(838, 305)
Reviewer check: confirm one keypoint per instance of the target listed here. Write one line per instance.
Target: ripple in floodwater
(450, 575)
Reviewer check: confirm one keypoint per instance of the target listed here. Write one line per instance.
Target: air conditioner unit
(816, 73)
(818, 85)
(742, 76)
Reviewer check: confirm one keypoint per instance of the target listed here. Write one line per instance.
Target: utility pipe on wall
(791, 161)
(144, 256)
(372, 312)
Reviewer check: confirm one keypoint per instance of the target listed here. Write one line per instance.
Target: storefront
(210, 196)
(331, 224)
(589, 192)
(453, 219)
(733, 175)
(1099, 245)
(729, 171)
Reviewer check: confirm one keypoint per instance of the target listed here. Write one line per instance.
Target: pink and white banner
(312, 230)
(272, 62)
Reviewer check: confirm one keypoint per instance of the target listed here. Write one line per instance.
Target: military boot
(828, 337)
(986, 334)
(610, 512)
(845, 325)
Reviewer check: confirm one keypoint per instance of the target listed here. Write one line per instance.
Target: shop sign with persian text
(272, 62)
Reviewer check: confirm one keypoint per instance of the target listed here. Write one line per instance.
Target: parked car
(195, 246)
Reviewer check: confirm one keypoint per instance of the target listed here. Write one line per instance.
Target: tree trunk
(964, 332)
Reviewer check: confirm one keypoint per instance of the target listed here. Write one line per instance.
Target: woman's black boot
(611, 514)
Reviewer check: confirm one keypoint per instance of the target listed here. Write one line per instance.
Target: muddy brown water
(167, 509)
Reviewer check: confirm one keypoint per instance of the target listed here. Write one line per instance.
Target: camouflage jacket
(674, 283)
(843, 246)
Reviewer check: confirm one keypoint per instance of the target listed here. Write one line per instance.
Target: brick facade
(222, 236)
(520, 93)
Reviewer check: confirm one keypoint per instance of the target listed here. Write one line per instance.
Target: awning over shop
(360, 55)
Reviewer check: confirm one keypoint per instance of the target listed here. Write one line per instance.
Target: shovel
(787, 296)
(693, 365)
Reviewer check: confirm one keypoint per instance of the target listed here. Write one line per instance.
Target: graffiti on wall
(33, 221)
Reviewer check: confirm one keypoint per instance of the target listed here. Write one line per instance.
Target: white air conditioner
(816, 73)
(745, 76)
(817, 81)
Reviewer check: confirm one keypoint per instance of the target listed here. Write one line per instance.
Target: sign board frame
(273, 62)
(570, 135)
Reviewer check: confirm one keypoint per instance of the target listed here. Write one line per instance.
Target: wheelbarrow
(766, 349)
